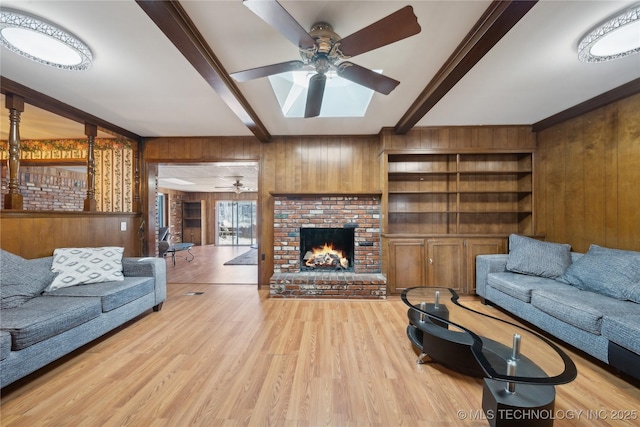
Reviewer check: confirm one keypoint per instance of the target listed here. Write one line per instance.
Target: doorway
(208, 183)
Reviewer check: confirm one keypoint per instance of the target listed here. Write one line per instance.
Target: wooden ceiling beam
(174, 22)
(496, 21)
(47, 103)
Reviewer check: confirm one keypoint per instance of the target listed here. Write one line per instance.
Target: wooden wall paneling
(281, 179)
(329, 172)
(628, 136)
(574, 180)
(541, 197)
(595, 179)
(363, 161)
(348, 151)
(293, 165)
(471, 138)
(551, 188)
(293, 168)
(87, 232)
(265, 210)
(414, 140)
(383, 166)
(150, 213)
(611, 188)
(47, 231)
(587, 178)
(558, 190)
(195, 149)
(321, 167)
(68, 228)
(32, 234)
(10, 235)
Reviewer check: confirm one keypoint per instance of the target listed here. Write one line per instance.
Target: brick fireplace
(359, 213)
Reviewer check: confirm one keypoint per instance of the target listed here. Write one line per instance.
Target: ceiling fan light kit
(237, 187)
(615, 38)
(324, 52)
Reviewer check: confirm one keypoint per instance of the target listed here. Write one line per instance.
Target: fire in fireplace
(326, 249)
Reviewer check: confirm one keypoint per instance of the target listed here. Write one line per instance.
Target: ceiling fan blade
(268, 70)
(314, 95)
(397, 26)
(366, 77)
(271, 12)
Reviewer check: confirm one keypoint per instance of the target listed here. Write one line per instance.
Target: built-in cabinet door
(406, 264)
(475, 247)
(445, 266)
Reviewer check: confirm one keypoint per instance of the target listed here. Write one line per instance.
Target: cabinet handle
(430, 260)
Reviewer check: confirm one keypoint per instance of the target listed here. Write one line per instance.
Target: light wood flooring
(208, 266)
(233, 357)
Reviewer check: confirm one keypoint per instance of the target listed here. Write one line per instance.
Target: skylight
(342, 97)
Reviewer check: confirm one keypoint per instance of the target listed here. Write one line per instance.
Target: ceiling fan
(237, 187)
(322, 50)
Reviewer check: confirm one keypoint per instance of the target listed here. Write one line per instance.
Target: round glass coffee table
(520, 367)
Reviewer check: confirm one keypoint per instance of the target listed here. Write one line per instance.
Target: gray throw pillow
(536, 258)
(611, 272)
(22, 279)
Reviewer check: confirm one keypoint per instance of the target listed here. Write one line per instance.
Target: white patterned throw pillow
(81, 266)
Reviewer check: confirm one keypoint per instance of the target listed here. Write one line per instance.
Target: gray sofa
(590, 301)
(39, 327)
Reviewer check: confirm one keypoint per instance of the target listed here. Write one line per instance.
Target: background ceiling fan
(322, 50)
(237, 187)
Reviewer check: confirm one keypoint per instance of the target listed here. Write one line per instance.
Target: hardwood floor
(208, 266)
(233, 357)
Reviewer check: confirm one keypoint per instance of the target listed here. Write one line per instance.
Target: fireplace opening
(326, 249)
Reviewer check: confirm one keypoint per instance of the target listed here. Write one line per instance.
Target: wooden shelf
(455, 193)
(192, 214)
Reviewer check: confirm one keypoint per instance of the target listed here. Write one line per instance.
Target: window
(161, 204)
(236, 222)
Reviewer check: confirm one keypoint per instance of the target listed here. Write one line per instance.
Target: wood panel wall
(461, 138)
(33, 234)
(588, 178)
(340, 164)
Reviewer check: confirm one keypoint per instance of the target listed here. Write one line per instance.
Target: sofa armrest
(148, 267)
(486, 264)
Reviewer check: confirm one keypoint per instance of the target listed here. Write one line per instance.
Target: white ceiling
(210, 177)
(141, 82)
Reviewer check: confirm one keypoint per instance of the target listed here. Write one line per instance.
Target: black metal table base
(189, 257)
(530, 405)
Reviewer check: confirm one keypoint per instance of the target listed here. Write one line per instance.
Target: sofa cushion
(582, 309)
(531, 256)
(112, 294)
(5, 344)
(611, 272)
(78, 266)
(22, 279)
(623, 330)
(520, 286)
(44, 317)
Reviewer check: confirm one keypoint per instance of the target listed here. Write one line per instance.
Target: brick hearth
(291, 212)
(328, 285)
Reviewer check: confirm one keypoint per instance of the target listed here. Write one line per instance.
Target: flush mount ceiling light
(616, 38)
(42, 42)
